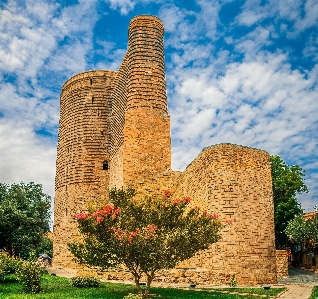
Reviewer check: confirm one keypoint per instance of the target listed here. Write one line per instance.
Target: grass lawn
(314, 293)
(60, 288)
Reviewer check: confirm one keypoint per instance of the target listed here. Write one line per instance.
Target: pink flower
(186, 200)
(176, 201)
(229, 220)
(80, 216)
(117, 211)
(96, 213)
(108, 209)
(166, 194)
(99, 219)
(152, 227)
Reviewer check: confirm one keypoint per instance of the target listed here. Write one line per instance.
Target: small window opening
(65, 187)
(92, 100)
(98, 113)
(66, 211)
(102, 133)
(91, 81)
(105, 165)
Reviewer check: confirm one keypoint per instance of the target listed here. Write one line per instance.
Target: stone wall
(282, 263)
(119, 101)
(234, 182)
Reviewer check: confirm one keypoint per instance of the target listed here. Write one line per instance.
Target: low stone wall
(282, 263)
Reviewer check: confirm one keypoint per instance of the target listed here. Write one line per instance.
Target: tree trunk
(137, 282)
(150, 278)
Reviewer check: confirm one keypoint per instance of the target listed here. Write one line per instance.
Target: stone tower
(82, 153)
(115, 132)
(147, 148)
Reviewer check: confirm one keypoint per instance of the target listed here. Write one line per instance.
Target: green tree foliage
(24, 217)
(300, 230)
(288, 181)
(146, 234)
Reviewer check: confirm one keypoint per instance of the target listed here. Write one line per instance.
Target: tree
(24, 217)
(303, 231)
(146, 234)
(288, 181)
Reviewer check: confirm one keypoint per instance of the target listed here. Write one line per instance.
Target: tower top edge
(141, 18)
(89, 74)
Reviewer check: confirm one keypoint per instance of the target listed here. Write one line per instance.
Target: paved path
(62, 272)
(297, 291)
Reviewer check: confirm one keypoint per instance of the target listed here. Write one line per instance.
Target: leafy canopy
(146, 235)
(24, 217)
(288, 181)
(301, 230)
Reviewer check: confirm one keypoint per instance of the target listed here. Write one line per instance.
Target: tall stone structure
(115, 131)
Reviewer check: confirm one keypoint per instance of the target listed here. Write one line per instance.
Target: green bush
(29, 275)
(1, 274)
(85, 282)
(8, 265)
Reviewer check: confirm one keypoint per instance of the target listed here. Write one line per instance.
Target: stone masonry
(115, 131)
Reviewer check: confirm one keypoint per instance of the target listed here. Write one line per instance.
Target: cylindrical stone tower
(147, 146)
(82, 154)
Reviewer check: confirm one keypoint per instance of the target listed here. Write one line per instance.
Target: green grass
(314, 293)
(60, 288)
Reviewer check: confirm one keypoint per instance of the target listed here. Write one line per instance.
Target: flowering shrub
(8, 265)
(144, 234)
(29, 275)
(85, 282)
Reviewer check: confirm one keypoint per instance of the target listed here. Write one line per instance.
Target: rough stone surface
(121, 118)
(282, 263)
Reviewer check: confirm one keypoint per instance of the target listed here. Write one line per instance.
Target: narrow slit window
(92, 100)
(105, 165)
(90, 81)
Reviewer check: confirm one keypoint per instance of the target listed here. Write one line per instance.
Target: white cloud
(25, 157)
(30, 34)
(126, 6)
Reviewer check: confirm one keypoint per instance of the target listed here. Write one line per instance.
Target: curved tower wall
(82, 155)
(147, 146)
(235, 182)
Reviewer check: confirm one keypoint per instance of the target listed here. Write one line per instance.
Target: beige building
(115, 131)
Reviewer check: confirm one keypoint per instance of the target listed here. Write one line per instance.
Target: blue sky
(242, 72)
